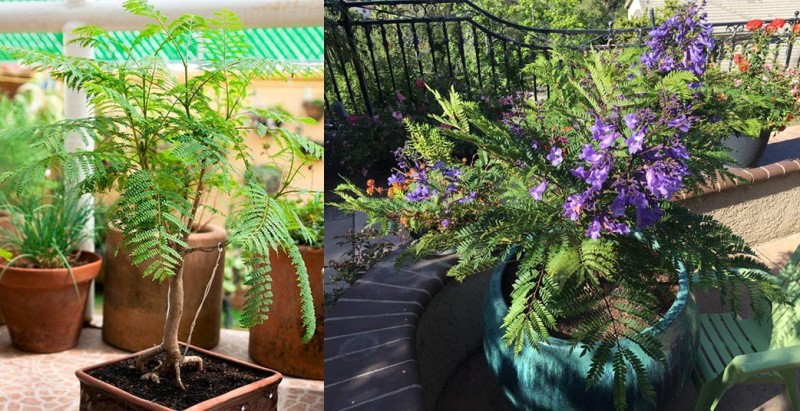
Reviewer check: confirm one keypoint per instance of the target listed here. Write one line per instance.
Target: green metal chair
(734, 350)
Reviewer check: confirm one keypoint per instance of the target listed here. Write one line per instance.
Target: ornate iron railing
(380, 51)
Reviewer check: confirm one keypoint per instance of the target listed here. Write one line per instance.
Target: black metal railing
(379, 52)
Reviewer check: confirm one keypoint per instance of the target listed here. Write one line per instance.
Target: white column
(76, 106)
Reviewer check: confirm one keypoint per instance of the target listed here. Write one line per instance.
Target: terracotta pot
(42, 311)
(5, 223)
(11, 82)
(276, 343)
(314, 109)
(260, 395)
(134, 307)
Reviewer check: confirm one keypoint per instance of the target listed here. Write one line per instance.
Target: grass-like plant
(45, 234)
(167, 141)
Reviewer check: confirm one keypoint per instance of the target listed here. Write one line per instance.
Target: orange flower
(789, 117)
(737, 59)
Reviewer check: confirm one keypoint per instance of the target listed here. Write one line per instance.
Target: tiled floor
(46, 382)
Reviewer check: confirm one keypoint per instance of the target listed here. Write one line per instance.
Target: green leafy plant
(165, 142)
(576, 191)
(312, 218)
(752, 91)
(32, 105)
(46, 233)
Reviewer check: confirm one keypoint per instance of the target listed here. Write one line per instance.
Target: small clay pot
(277, 342)
(134, 307)
(99, 395)
(43, 313)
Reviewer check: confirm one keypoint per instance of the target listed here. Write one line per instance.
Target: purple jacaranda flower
(400, 97)
(421, 193)
(588, 154)
(579, 172)
(472, 195)
(445, 223)
(398, 178)
(555, 157)
(632, 121)
(636, 140)
(537, 191)
(593, 231)
(647, 216)
(575, 205)
(682, 123)
(619, 204)
(397, 115)
(598, 174)
(606, 134)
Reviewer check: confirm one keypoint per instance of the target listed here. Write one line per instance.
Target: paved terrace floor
(47, 382)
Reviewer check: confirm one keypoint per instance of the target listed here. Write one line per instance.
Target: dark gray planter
(746, 150)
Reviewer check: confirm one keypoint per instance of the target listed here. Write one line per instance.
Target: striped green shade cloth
(295, 44)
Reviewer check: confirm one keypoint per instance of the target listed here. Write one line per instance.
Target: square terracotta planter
(259, 395)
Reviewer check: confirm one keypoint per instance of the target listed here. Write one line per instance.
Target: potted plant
(751, 93)
(589, 305)
(277, 342)
(12, 77)
(44, 286)
(164, 143)
(315, 108)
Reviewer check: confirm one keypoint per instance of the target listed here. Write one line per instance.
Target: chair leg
(790, 380)
(710, 394)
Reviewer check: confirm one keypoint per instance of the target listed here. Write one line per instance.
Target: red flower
(419, 83)
(754, 25)
(744, 66)
(774, 26)
(737, 59)
(796, 28)
(789, 117)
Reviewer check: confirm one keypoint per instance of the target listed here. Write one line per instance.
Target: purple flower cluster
(649, 174)
(680, 43)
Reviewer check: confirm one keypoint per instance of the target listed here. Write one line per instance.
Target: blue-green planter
(551, 378)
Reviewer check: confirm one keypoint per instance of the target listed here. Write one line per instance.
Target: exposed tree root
(172, 364)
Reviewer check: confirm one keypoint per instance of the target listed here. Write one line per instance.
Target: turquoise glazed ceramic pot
(551, 378)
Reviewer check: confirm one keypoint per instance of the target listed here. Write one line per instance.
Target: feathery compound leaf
(261, 226)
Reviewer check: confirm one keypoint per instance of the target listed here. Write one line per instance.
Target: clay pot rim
(84, 377)
(309, 248)
(82, 273)
(209, 233)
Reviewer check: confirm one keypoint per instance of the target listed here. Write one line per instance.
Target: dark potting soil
(75, 260)
(217, 378)
(662, 289)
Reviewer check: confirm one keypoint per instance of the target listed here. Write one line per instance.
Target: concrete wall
(761, 212)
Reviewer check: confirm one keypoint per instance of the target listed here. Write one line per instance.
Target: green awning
(297, 44)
